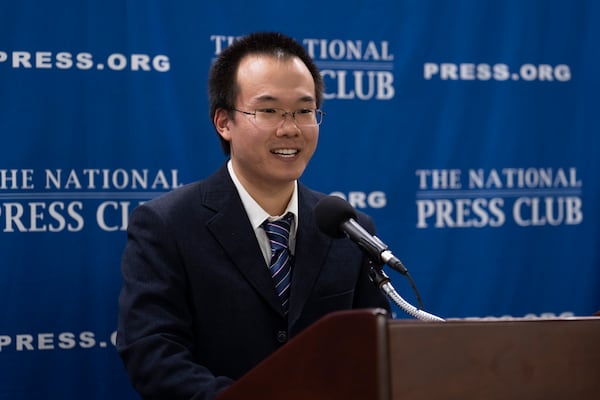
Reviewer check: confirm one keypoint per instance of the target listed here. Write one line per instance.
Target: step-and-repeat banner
(469, 130)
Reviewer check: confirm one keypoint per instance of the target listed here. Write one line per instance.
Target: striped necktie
(281, 262)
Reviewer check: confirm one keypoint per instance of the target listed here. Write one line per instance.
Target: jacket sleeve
(155, 336)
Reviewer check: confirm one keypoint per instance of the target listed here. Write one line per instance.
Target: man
(199, 307)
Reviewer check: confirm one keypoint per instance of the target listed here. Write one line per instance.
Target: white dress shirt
(257, 215)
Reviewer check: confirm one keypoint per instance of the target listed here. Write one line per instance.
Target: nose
(288, 126)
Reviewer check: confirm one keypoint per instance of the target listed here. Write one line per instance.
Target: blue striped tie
(281, 264)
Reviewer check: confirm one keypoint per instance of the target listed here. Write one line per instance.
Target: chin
(289, 174)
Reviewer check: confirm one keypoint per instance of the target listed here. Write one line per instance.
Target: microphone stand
(382, 281)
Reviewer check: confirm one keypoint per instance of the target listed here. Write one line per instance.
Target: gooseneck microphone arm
(382, 281)
(336, 218)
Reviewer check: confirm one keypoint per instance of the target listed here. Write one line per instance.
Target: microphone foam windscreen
(331, 212)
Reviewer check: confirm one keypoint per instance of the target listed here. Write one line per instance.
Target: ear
(221, 121)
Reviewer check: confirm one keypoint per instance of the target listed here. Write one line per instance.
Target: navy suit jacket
(198, 307)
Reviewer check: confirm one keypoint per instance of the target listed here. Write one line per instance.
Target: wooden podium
(362, 355)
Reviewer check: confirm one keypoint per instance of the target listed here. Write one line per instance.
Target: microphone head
(331, 212)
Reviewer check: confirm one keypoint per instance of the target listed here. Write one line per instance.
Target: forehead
(264, 76)
(253, 62)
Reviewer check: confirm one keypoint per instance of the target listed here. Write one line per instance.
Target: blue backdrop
(467, 129)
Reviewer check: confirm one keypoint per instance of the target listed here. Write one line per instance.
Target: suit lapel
(231, 228)
(312, 248)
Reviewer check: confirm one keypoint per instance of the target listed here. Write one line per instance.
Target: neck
(273, 197)
(274, 200)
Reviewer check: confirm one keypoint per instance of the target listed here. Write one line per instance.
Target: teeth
(285, 152)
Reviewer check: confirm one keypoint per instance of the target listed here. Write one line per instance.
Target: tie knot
(278, 231)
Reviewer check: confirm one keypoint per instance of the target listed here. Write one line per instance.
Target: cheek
(313, 138)
(246, 142)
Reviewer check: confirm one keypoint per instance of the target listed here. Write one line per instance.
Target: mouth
(288, 153)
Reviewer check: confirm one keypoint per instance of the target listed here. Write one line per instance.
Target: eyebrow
(267, 97)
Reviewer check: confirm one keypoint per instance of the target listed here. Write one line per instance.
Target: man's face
(270, 158)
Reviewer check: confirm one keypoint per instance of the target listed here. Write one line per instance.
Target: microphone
(337, 218)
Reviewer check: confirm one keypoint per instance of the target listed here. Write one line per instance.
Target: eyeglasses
(272, 117)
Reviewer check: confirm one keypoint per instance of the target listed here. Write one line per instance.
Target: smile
(285, 152)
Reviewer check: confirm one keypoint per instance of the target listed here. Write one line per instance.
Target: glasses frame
(319, 114)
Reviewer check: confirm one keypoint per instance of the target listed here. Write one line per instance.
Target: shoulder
(204, 195)
(309, 196)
